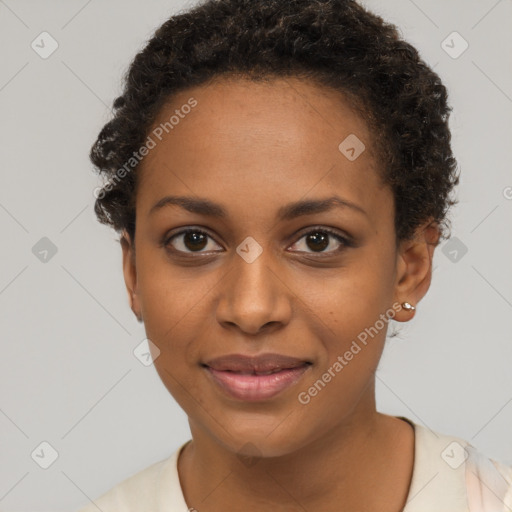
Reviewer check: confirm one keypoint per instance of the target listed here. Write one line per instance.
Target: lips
(255, 378)
(264, 364)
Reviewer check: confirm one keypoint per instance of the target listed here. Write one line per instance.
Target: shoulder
(143, 490)
(450, 474)
(488, 482)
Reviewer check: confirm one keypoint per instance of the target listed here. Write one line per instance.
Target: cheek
(352, 329)
(349, 324)
(351, 298)
(172, 300)
(351, 312)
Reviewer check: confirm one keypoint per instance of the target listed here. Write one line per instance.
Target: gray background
(68, 373)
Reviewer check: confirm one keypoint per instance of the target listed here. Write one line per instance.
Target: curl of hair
(335, 43)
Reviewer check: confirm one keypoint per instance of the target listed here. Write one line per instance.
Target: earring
(408, 306)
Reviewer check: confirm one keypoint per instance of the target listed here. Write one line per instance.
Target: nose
(254, 297)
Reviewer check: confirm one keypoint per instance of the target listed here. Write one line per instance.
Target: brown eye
(189, 241)
(317, 240)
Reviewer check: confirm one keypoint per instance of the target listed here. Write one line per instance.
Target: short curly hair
(335, 43)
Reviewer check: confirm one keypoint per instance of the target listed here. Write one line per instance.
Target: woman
(280, 173)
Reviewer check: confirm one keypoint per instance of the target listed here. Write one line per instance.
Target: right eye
(188, 241)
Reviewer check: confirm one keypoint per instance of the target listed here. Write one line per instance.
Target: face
(270, 275)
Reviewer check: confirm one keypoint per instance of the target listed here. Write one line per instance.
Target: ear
(414, 267)
(130, 273)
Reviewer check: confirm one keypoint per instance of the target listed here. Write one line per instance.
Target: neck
(337, 469)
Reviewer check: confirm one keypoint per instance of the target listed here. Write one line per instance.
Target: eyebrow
(290, 211)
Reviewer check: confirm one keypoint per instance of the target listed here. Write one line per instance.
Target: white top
(449, 475)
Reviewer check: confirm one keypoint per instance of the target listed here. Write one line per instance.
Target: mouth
(255, 379)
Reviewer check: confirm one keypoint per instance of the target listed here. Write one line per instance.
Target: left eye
(319, 239)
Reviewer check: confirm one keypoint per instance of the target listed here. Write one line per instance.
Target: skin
(254, 147)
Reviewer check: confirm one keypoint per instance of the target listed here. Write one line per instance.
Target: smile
(256, 385)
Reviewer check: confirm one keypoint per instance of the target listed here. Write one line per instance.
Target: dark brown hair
(337, 44)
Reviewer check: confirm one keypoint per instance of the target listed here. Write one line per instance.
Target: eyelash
(345, 242)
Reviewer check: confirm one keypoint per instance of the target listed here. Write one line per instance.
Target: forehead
(266, 141)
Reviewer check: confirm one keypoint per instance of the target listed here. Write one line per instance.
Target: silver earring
(408, 306)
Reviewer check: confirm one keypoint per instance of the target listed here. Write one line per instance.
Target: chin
(253, 438)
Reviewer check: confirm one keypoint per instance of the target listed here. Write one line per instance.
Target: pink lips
(256, 378)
